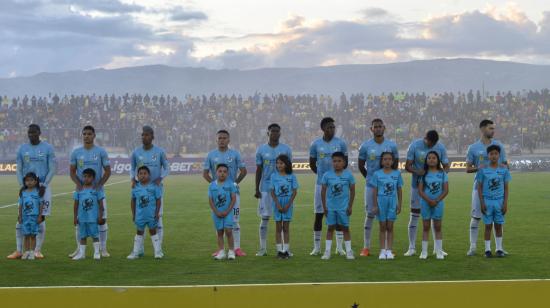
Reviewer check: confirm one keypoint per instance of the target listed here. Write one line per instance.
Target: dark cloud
(182, 14)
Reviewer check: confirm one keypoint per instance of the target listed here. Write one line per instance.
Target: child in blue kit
(145, 204)
(284, 187)
(387, 186)
(337, 195)
(30, 213)
(492, 186)
(222, 195)
(433, 187)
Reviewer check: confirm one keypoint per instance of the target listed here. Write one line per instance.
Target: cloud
(182, 14)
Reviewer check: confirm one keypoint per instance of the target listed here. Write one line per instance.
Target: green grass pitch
(190, 239)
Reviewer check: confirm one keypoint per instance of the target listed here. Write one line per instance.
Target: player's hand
(258, 194)
(325, 212)
(19, 219)
(432, 203)
(483, 208)
(39, 219)
(78, 187)
(375, 210)
(398, 209)
(504, 208)
(349, 211)
(157, 217)
(41, 190)
(134, 183)
(75, 221)
(158, 181)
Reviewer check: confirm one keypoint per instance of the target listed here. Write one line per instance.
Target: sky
(62, 35)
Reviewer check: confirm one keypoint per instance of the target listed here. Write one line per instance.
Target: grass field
(189, 241)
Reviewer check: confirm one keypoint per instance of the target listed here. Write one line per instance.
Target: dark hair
(35, 126)
(432, 136)
(222, 131)
(492, 148)
(288, 164)
(377, 120)
(144, 168)
(426, 167)
(272, 125)
(89, 171)
(35, 177)
(393, 165)
(222, 165)
(326, 121)
(88, 127)
(339, 154)
(485, 122)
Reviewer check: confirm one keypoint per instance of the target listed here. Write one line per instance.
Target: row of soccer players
(38, 157)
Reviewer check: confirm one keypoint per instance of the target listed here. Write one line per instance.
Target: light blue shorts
(337, 217)
(88, 229)
(30, 225)
(431, 212)
(387, 208)
(494, 212)
(223, 223)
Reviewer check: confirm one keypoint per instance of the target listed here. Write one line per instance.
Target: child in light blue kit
(222, 195)
(30, 213)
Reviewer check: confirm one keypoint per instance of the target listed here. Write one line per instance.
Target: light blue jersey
(387, 184)
(322, 151)
(39, 159)
(220, 194)
(95, 158)
(146, 197)
(266, 158)
(433, 183)
(417, 153)
(493, 180)
(88, 204)
(229, 157)
(370, 151)
(283, 186)
(30, 203)
(338, 187)
(154, 159)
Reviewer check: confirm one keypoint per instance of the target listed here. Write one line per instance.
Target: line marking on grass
(64, 193)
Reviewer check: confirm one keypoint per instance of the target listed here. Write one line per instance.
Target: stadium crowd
(188, 125)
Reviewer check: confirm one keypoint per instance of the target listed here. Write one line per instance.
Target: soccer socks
(18, 237)
(236, 236)
(498, 242)
(413, 222)
(263, 232)
(317, 240)
(82, 250)
(488, 245)
(474, 228)
(286, 247)
(77, 236)
(339, 240)
(368, 228)
(438, 245)
(156, 244)
(138, 243)
(103, 236)
(160, 230)
(279, 247)
(348, 246)
(96, 248)
(328, 246)
(424, 247)
(40, 236)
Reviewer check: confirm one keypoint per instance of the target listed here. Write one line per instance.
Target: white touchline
(65, 193)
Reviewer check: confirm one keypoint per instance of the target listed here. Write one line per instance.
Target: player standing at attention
(387, 186)
(30, 213)
(284, 187)
(369, 157)
(37, 157)
(222, 197)
(433, 187)
(320, 162)
(476, 159)
(416, 156)
(236, 173)
(492, 187)
(337, 195)
(91, 156)
(154, 158)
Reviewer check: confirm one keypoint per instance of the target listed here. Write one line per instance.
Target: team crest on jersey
(229, 159)
(94, 156)
(372, 155)
(335, 148)
(154, 157)
(40, 153)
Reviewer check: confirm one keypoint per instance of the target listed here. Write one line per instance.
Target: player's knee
(415, 211)
(339, 228)
(140, 232)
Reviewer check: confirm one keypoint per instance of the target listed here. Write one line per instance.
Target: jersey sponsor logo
(337, 189)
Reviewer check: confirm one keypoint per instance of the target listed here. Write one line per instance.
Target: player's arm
(258, 178)
(480, 195)
(375, 200)
(409, 166)
(133, 208)
(470, 167)
(313, 164)
(361, 166)
(242, 174)
(19, 169)
(351, 198)
(75, 212)
(446, 167)
(133, 166)
(52, 168)
(324, 198)
(164, 167)
(157, 209)
(20, 213)
(206, 175)
(74, 178)
(100, 210)
(105, 177)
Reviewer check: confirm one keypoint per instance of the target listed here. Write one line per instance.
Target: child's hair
(90, 172)
(492, 148)
(393, 165)
(144, 168)
(222, 166)
(426, 167)
(33, 176)
(288, 164)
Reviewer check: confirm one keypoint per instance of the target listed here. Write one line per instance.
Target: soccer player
(154, 158)
(284, 187)
(337, 195)
(320, 162)
(416, 156)
(145, 204)
(237, 171)
(476, 159)
(38, 157)
(222, 197)
(266, 156)
(492, 187)
(387, 186)
(30, 216)
(88, 213)
(368, 163)
(433, 187)
(91, 156)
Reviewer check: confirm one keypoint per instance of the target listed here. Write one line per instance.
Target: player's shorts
(223, 223)
(149, 223)
(286, 216)
(431, 212)
(264, 205)
(317, 201)
(88, 229)
(387, 208)
(369, 200)
(476, 205)
(30, 225)
(46, 206)
(337, 217)
(415, 199)
(494, 212)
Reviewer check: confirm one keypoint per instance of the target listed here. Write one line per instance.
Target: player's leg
(318, 222)
(77, 237)
(498, 225)
(264, 211)
(474, 223)
(230, 243)
(413, 222)
(46, 211)
(138, 240)
(155, 238)
(369, 219)
(19, 239)
(83, 234)
(278, 238)
(426, 224)
(438, 239)
(331, 226)
(103, 232)
(95, 234)
(389, 239)
(236, 234)
(286, 238)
